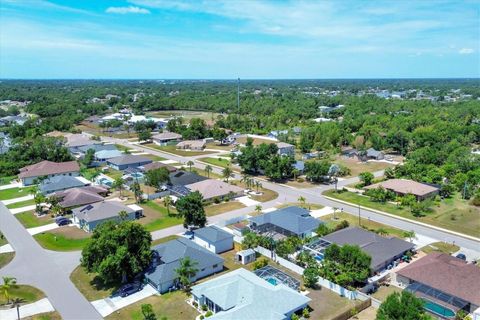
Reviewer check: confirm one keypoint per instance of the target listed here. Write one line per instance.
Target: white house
(213, 239)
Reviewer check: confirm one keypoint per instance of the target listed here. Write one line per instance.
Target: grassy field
(156, 216)
(163, 240)
(208, 116)
(356, 167)
(63, 239)
(178, 152)
(28, 293)
(256, 141)
(366, 223)
(384, 291)
(30, 220)
(326, 304)
(221, 162)
(454, 214)
(90, 286)
(441, 247)
(21, 204)
(14, 193)
(214, 209)
(172, 305)
(114, 174)
(6, 180)
(309, 206)
(5, 258)
(153, 157)
(213, 145)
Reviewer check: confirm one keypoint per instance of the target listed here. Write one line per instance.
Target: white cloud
(466, 51)
(125, 10)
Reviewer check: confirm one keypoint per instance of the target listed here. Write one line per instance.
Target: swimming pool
(319, 257)
(435, 308)
(272, 281)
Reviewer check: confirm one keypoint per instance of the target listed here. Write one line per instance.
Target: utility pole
(238, 94)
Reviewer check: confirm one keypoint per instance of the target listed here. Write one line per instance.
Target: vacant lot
(383, 292)
(441, 247)
(171, 305)
(454, 214)
(214, 209)
(15, 193)
(326, 304)
(220, 162)
(153, 157)
(156, 216)
(208, 116)
(163, 240)
(366, 223)
(356, 167)
(68, 238)
(256, 141)
(178, 152)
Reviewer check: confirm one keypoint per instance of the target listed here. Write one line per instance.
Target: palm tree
(302, 200)
(16, 302)
(186, 271)
(208, 169)
(409, 234)
(190, 164)
(258, 184)
(8, 283)
(382, 231)
(227, 173)
(295, 173)
(258, 208)
(123, 215)
(167, 201)
(118, 184)
(39, 198)
(137, 192)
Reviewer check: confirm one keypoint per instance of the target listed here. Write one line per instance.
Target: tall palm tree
(258, 184)
(186, 271)
(258, 208)
(16, 302)
(409, 234)
(167, 201)
(227, 173)
(8, 283)
(39, 198)
(118, 185)
(302, 200)
(190, 163)
(208, 169)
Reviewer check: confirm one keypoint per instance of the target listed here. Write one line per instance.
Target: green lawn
(454, 214)
(21, 204)
(114, 174)
(384, 291)
(54, 315)
(156, 216)
(441, 247)
(172, 305)
(214, 209)
(90, 286)
(58, 242)
(153, 157)
(6, 180)
(3, 240)
(178, 152)
(5, 258)
(353, 221)
(221, 162)
(28, 293)
(15, 193)
(30, 220)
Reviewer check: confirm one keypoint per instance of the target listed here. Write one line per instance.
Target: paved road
(314, 195)
(45, 270)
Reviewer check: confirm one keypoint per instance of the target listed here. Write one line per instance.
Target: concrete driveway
(31, 309)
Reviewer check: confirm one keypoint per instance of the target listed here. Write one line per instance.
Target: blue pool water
(272, 281)
(438, 309)
(319, 257)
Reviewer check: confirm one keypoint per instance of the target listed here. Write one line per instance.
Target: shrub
(306, 313)
(202, 317)
(260, 263)
(204, 307)
(208, 314)
(216, 200)
(195, 304)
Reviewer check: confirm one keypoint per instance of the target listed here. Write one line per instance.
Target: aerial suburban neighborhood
(239, 160)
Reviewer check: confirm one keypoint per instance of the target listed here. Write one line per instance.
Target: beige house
(191, 145)
(211, 189)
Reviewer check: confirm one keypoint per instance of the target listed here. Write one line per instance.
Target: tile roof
(293, 219)
(172, 252)
(46, 167)
(212, 188)
(405, 186)
(80, 196)
(448, 274)
(248, 297)
(212, 234)
(128, 159)
(381, 249)
(101, 210)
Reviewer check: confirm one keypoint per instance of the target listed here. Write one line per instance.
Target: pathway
(19, 199)
(27, 310)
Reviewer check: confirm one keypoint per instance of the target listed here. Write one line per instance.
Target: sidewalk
(40, 306)
(19, 199)
(23, 209)
(11, 186)
(36, 230)
(6, 248)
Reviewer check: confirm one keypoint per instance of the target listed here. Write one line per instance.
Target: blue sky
(249, 39)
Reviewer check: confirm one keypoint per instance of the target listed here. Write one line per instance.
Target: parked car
(129, 289)
(461, 256)
(62, 221)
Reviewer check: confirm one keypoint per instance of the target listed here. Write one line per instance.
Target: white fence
(351, 295)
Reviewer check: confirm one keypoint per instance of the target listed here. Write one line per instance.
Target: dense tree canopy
(402, 306)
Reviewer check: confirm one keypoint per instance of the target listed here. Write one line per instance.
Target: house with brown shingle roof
(80, 196)
(48, 169)
(157, 165)
(443, 280)
(402, 187)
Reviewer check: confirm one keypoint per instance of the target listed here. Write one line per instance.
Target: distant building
(285, 149)
(198, 145)
(375, 154)
(104, 155)
(403, 187)
(165, 138)
(48, 169)
(213, 239)
(240, 294)
(276, 133)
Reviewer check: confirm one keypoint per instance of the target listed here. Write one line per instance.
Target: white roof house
(241, 294)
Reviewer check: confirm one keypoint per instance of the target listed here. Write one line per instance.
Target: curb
(406, 219)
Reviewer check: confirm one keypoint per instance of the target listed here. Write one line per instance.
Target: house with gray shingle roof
(60, 183)
(213, 239)
(128, 161)
(241, 294)
(289, 221)
(162, 276)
